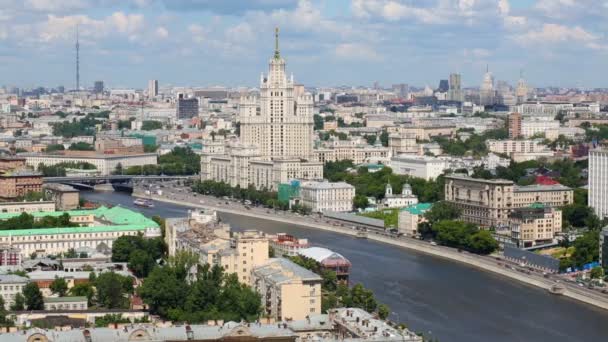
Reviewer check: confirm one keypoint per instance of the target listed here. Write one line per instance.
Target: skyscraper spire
(277, 54)
(77, 61)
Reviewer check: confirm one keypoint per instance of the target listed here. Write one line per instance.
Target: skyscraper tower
(522, 89)
(280, 121)
(455, 91)
(77, 61)
(486, 91)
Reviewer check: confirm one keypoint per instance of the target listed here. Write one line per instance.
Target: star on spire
(277, 54)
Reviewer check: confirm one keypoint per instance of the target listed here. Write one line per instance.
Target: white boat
(557, 289)
(142, 202)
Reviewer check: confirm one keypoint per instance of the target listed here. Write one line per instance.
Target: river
(444, 299)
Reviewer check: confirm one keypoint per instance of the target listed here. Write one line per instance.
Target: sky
(324, 42)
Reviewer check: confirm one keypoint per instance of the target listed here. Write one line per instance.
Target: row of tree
(59, 170)
(368, 184)
(140, 254)
(28, 221)
(338, 294)
(180, 161)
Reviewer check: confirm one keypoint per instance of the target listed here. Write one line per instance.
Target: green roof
(118, 218)
(418, 209)
(537, 205)
(64, 299)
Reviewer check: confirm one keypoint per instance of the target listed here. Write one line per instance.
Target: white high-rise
(455, 91)
(152, 88)
(598, 182)
(522, 90)
(282, 127)
(486, 91)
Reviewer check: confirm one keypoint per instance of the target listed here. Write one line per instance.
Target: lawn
(390, 216)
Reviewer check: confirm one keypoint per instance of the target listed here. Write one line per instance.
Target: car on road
(433, 243)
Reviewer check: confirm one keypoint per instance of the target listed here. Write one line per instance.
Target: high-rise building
(443, 86)
(486, 91)
(279, 122)
(514, 125)
(187, 108)
(521, 93)
(598, 182)
(455, 88)
(401, 90)
(152, 88)
(98, 87)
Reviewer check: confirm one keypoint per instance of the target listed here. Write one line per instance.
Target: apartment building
(18, 183)
(105, 164)
(535, 224)
(325, 196)
(488, 203)
(10, 286)
(537, 125)
(289, 291)
(516, 146)
(418, 166)
(400, 143)
(598, 182)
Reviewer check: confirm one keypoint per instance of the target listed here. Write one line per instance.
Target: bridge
(113, 179)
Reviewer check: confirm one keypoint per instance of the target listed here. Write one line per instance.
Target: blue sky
(325, 42)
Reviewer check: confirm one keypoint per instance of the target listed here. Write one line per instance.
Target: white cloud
(55, 5)
(555, 34)
(477, 53)
(64, 27)
(354, 51)
(162, 33)
(240, 34)
(197, 32)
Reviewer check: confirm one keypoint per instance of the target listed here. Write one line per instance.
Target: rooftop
(64, 299)
(418, 209)
(322, 255)
(538, 187)
(471, 179)
(280, 270)
(116, 218)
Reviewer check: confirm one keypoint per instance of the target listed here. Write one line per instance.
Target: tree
(59, 287)
(19, 304)
(33, 297)
(597, 273)
(442, 210)
(360, 201)
(141, 263)
(3, 312)
(586, 249)
(149, 125)
(82, 146)
(383, 311)
(384, 138)
(83, 290)
(163, 291)
(70, 254)
(482, 242)
(112, 289)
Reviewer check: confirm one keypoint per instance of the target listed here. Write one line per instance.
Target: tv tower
(77, 61)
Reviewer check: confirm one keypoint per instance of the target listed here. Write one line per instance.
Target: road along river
(452, 301)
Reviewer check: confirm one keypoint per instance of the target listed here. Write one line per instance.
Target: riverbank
(485, 264)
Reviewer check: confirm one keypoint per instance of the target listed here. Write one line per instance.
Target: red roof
(545, 180)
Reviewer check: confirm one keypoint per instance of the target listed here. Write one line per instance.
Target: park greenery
(81, 146)
(211, 295)
(389, 216)
(475, 145)
(28, 221)
(373, 184)
(140, 254)
(54, 147)
(59, 170)
(180, 161)
(150, 125)
(257, 197)
(338, 294)
(86, 125)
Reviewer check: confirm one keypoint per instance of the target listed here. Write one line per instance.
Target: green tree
(83, 290)
(59, 287)
(360, 201)
(482, 242)
(81, 146)
(597, 273)
(383, 311)
(441, 211)
(112, 289)
(149, 125)
(33, 297)
(141, 263)
(384, 138)
(586, 249)
(19, 304)
(3, 313)
(163, 291)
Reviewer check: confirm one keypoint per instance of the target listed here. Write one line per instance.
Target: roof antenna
(277, 54)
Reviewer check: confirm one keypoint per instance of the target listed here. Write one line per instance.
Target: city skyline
(204, 42)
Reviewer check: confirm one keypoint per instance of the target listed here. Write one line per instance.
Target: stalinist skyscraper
(276, 140)
(280, 121)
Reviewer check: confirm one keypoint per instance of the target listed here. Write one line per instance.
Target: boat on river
(142, 202)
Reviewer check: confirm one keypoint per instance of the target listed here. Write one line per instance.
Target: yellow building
(535, 225)
(289, 291)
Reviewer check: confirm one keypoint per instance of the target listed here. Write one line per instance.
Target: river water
(446, 300)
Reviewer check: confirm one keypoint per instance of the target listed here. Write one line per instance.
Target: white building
(10, 286)
(598, 182)
(516, 146)
(418, 166)
(152, 88)
(537, 125)
(276, 136)
(104, 163)
(406, 198)
(326, 196)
